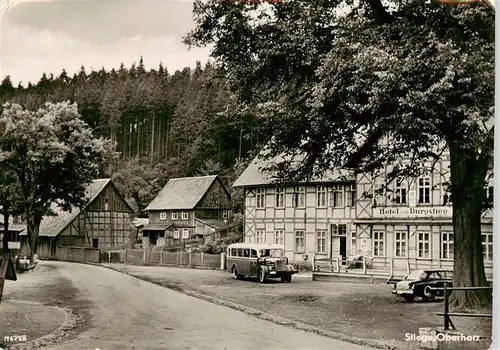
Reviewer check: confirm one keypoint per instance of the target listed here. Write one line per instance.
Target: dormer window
(175, 216)
(163, 216)
(184, 216)
(224, 214)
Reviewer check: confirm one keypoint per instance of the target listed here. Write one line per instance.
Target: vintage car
(259, 260)
(420, 283)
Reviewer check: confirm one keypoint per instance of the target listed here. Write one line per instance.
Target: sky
(49, 35)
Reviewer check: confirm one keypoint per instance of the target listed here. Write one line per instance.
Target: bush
(303, 266)
(214, 248)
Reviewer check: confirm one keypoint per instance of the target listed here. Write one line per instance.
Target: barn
(105, 222)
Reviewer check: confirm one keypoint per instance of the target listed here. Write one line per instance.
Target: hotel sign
(413, 212)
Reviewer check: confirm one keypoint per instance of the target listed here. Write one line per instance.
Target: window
(261, 198)
(378, 192)
(424, 190)
(400, 192)
(279, 237)
(106, 204)
(176, 233)
(337, 196)
(339, 230)
(184, 216)
(259, 237)
(321, 242)
(447, 245)
(280, 197)
(299, 197)
(300, 241)
(163, 216)
(174, 216)
(401, 244)
(185, 233)
(487, 241)
(378, 243)
(253, 253)
(350, 195)
(353, 246)
(225, 214)
(321, 196)
(423, 243)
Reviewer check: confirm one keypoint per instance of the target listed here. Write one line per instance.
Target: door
(53, 246)
(343, 249)
(95, 242)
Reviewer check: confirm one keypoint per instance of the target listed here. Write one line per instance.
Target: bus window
(264, 253)
(240, 252)
(246, 253)
(253, 253)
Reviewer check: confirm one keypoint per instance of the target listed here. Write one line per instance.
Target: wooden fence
(77, 254)
(163, 258)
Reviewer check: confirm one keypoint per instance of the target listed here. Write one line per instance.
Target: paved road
(127, 313)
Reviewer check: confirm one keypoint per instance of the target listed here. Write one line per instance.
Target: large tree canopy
(331, 78)
(53, 155)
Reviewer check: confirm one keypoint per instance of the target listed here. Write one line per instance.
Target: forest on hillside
(165, 125)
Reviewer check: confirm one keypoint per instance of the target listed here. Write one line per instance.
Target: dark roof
(51, 226)
(215, 223)
(156, 227)
(182, 193)
(254, 175)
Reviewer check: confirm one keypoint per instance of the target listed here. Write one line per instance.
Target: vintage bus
(259, 260)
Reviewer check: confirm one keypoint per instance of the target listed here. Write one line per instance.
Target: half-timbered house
(409, 222)
(395, 225)
(308, 219)
(187, 208)
(106, 221)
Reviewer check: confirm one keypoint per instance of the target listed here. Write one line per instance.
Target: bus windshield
(271, 253)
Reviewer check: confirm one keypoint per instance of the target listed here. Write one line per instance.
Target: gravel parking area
(360, 311)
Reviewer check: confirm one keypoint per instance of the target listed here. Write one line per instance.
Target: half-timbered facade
(409, 222)
(396, 225)
(187, 208)
(308, 219)
(106, 221)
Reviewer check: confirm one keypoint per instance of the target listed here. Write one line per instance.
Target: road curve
(127, 313)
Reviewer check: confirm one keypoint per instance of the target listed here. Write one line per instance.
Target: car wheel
(236, 276)
(289, 278)
(428, 294)
(408, 297)
(284, 279)
(262, 276)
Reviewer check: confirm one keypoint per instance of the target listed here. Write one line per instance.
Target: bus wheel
(236, 276)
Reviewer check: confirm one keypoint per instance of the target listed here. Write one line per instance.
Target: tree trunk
(138, 138)
(241, 139)
(167, 138)
(152, 140)
(6, 234)
(33, 232)
(468, 174)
